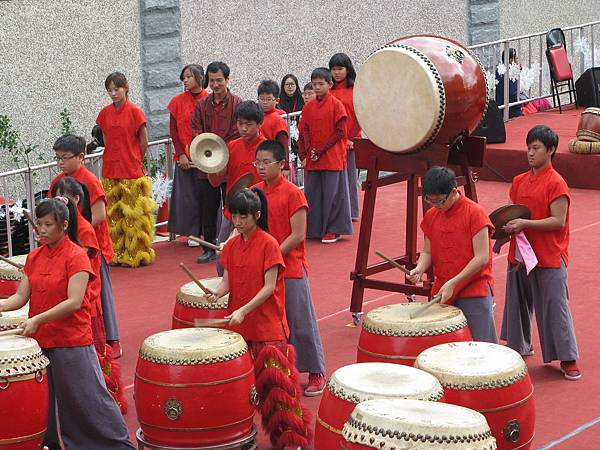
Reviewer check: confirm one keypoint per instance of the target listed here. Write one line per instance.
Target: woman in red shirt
(128, 191)
(344, 75)
(55, 282)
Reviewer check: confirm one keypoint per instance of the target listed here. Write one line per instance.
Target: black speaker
(492, 125)
(587, 87)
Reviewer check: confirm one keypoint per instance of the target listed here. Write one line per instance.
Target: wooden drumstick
(13, 331)
(31, 221)
(425, 307)
(205, 243)
(12, 263)
(194, 279)
(393, 263)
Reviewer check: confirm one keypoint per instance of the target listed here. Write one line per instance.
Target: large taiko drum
(10, 276)
(23, 393)
(389, 334)
(195, 387)
(10, 320)
(419, 90)
(488, 378)
(191, 304)
(357, 383)
(415, 425)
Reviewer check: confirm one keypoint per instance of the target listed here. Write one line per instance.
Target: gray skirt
(80, 405)
(109, 313)
(185, 205)
(352, 175)
(479, 312)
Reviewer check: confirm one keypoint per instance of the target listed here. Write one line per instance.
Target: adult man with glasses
(457, 244)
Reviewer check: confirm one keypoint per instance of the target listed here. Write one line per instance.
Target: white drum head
(415, 424)
(191, 295)
(472, 365)
(20, 355)
(191, 346)
(398, 100)
(12, 319)
(367, 381)
(10, 272)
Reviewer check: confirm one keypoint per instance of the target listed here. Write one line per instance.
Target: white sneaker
(193, 243)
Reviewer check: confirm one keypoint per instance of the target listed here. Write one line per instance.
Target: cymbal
(241, 183)
(505, 214)
(209, 153)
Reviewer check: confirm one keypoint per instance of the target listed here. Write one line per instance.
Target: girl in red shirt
(128, 191)
(344, 75)
(55, 282)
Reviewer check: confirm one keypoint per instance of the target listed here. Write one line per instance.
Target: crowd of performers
(262, 233)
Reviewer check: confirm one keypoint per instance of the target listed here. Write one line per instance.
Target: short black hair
(321, 73)
(249, 110)
(308, 86)
(343, 60)
(274, 147)
(70, 143)
(439, 181)
(269, 87)
(215, 66)
(545, 135)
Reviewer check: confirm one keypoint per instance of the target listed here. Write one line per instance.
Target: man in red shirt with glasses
(457, 243)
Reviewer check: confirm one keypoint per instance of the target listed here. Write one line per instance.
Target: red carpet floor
(504, 161)
(146, 297)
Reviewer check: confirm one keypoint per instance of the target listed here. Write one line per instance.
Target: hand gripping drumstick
(12, 263)
(194, 279)
(31, 221)
(205, 243)
(13, 331)
(393, 263)
(425, 307)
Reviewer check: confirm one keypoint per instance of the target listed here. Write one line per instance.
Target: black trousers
(211, 202)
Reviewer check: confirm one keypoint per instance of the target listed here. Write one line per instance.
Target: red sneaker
(330, 238)
(570, 369)
(316, 385)
(116, 348)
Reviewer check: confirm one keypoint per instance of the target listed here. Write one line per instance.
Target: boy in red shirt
(273, 126)
(70, 153)
(308, 94)
(457, 244)
(322, 148)
(287, 208)
(545, 289)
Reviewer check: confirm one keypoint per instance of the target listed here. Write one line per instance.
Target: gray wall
(56, 55)
(268, 39)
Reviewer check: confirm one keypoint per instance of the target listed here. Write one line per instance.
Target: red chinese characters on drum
(10, 276)
(357, 383)
(488, 378)
(389, 334)
(23, 393)
(435, 91)
(195, 387)
(190, 304)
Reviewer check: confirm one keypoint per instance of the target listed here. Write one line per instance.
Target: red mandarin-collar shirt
(284, 199)
(318, 121)
(96, 191)
(272, 125)
(182, 108)
(49, 271)
(246, 263)
(87, 239)
(345, 94)
(451, 236)
(122, 152)
(538, 191)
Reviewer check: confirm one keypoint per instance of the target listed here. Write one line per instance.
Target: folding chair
(561, 74)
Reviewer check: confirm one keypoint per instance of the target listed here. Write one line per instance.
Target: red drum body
(415, 425)
(357, 383)
(589, 125)
(195, 387)
(191, 304)
(389, 334)
(10, 276)
(23, 393)
(491, 379)
(435, 92)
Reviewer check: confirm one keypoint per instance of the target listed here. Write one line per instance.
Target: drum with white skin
(10, 276)
(191, 304)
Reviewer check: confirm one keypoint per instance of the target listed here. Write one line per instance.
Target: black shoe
(207, 256)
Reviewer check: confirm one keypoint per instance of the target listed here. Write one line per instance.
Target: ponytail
(263, 220)
(60, 211)
(251, 201)
(71, 187)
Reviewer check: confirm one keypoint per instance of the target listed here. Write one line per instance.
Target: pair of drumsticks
(426, 306)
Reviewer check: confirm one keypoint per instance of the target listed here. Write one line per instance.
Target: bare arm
(261, 296)
(556, 221)
(221, 290)
(19, 298)
(143, 138)
(298, 224)
(98, 212)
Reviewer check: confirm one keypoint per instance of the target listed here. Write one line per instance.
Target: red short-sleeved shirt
(246, 263)
(451, 236)
(49, 271)
(87, 239)
(345, 94)
(321, 117)
(182, 108)
(272, 125)
(538, 191)
(284, 199)
(122, 152)
(96, 191)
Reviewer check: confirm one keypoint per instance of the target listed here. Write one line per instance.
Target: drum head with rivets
(10, 272)
(12, 319)
(20, 355)
(191, 294)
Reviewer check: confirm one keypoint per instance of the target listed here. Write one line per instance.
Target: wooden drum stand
(409, 168)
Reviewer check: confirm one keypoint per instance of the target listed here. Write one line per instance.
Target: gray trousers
(185, 205)
(352, 174)
(479, 312)
(304, 331)
(546, 292)
(82, 413)
(109, 313)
